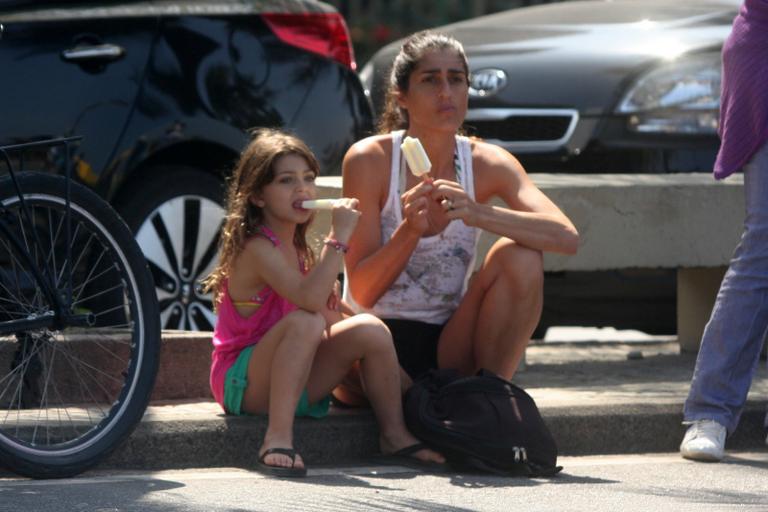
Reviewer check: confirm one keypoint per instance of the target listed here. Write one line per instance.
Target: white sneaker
(704, 440)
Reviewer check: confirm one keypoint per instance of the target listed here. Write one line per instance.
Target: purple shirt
(744, 98)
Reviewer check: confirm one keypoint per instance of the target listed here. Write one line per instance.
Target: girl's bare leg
(497, 316)
(277, 375)
(351, 389)
(366, 338)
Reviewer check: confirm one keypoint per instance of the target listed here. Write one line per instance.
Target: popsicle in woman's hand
(318, 204)
(417, 158)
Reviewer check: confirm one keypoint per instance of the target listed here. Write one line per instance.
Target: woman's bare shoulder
(369, 158)
(373, 149)
(495, 169)
(365, 171)
(490, 157)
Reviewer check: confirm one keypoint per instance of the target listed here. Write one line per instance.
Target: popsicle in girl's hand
(318, 204)
(417, 158)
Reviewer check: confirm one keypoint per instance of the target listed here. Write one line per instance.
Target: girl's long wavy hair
(413, 50)
(254, 170)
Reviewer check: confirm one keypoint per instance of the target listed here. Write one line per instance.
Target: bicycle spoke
(94, 401)
(83, 388)
(119, 307)
(21, 367)
(60, 271)
(48, 372)
(94, 370)
(59, 409)
(18, 294)
(76, 291)
(9, 313)
(102, 292)
(54, 238)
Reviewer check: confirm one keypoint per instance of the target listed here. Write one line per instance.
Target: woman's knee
(521, 267)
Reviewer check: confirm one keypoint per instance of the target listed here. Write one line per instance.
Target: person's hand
(332, 312)
(344, 218)
(415, 202)
(455, 201)
(334, 299)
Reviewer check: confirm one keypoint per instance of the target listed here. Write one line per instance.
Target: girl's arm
(310, 291)
(373, 267)
(532, 219)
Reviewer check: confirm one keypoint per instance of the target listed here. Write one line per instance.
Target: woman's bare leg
(277, 375)
(366, 338)
(497, 316)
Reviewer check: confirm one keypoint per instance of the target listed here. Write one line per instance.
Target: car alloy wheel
(180, 241)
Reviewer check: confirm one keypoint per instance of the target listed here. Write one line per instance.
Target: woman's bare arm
(371, 266)
(532, 219)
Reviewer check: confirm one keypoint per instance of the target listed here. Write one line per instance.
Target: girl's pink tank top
(233, 332)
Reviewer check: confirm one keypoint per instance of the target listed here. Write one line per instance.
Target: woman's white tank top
(435, 279)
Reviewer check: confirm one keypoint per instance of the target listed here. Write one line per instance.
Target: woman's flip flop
(281, 471)
(405, 457)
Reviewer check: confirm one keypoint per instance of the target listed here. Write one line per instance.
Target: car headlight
(681, 97)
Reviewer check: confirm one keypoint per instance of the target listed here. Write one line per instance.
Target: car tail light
(322, 33)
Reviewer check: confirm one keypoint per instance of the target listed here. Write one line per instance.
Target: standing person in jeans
(734, 336)
(411, 257)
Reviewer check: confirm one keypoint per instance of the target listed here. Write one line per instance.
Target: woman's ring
(449, 202)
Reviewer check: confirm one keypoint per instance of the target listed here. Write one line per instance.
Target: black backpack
(482, 422)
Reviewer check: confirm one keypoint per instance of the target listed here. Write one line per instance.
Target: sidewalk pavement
(597, 398)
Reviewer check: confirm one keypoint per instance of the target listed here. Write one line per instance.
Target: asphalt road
(617, 483)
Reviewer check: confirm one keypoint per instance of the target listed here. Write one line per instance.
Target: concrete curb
(348, 437)
(594, 398)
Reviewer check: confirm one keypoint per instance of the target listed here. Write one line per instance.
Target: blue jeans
(734, 335)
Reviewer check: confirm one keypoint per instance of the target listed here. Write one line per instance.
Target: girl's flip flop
(281, 471)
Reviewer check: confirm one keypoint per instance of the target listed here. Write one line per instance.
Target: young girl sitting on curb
(280, 342)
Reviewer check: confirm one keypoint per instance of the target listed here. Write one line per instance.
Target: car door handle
(96, 52)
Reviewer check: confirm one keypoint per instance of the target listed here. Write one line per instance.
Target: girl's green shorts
(237, 379)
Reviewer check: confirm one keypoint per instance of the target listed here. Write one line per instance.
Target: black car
(626, 86)
(164, 94)
(593, 86)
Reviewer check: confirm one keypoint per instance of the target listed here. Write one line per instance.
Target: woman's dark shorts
(415, 343)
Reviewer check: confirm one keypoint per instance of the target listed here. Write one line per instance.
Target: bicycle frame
(62, 314)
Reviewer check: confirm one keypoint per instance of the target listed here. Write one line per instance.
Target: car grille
(523, 128)
(537, 130)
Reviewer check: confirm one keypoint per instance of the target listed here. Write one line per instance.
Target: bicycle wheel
(69, 396)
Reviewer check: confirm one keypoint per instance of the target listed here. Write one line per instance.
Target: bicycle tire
(70, 396)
